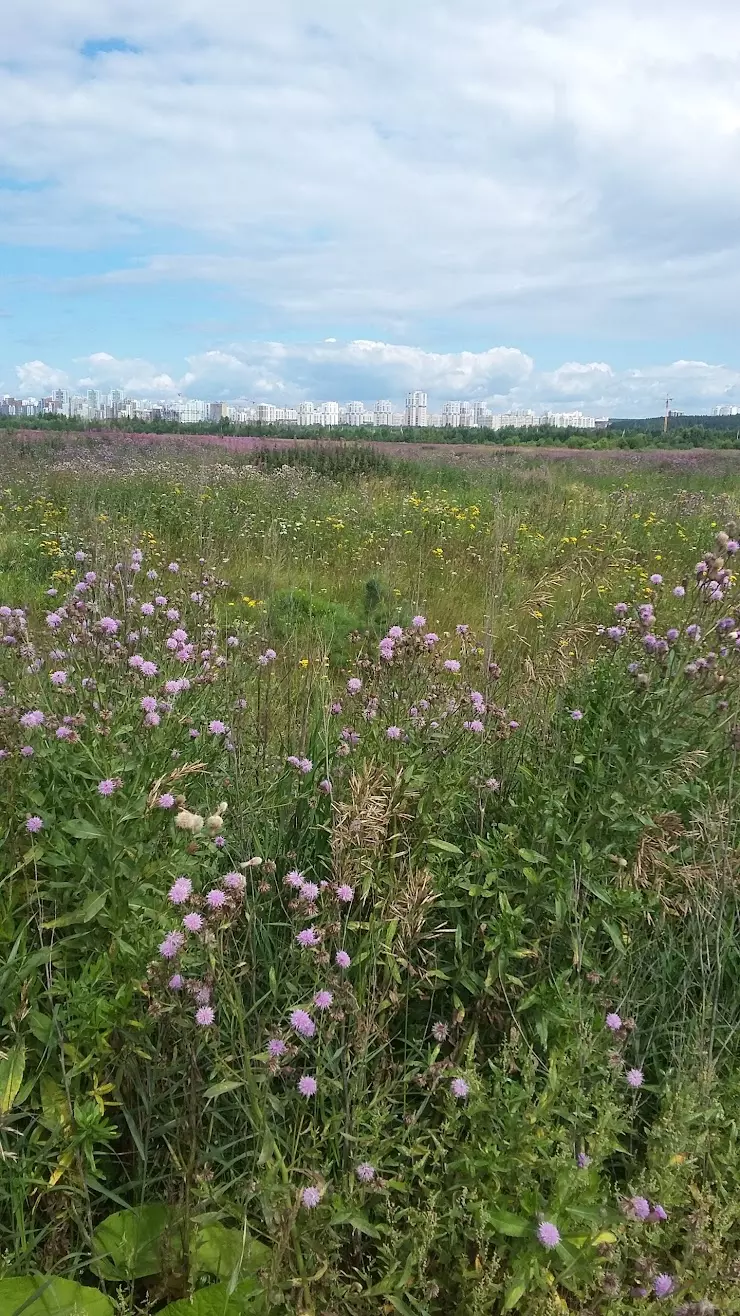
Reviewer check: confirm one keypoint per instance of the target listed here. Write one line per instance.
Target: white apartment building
(416, 409)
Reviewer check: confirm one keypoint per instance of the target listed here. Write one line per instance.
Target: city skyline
(454, 413)
(534, 205)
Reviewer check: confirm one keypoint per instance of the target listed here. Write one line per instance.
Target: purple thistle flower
(205, 1016)
(548, 1234)
(322, 1000)
(166, 801)
(108, 786)
(235, 881)
(152, 719)
(216, 899)
(27, 751)
(309, 892)
(342, 959)
(302, 1023)
(430, 639)
(659, 1212)
(276, 1047)
(308, 937)
(459, 1088)
(310, 1198)
(193, 922)
(148, 704)
(345, 893)
(576, 714)
(180, 891)
(640, 1207)
(176, 982)
(365, 1172)
(325, 786)
(172, 944)
(440, 1031)
(656, 579)
(58, 678)
(613, 1022)
(33, 719)
(662, 1286)
(583, 1160)
(635, 1078)
(149, 669)
(451, 665)
(307, 1086)
(34, 824)
(476, 726)
(679, 592)
(393, 733)
(217, 728)
(109, 625)
(418, 622)
(354, 685)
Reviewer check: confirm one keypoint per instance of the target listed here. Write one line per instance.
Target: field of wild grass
(368, 890)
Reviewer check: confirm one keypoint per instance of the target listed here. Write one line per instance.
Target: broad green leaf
(48, 1295)
(12, 1069)
(54, 1104)
(215, 1300)
(138, 1242)
(227, 1085)
(358, 1220)
(445, 847)
(227, 1252)
(93, 906)
(40, 1025)
(514, 1294)
(504, 1222)
(82, 830)
(532, 856)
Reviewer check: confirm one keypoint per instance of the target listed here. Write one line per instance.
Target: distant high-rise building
(451, 414)
(467, 415)
(306, 413)
(416, 409)
(354, 413)
(383, 412)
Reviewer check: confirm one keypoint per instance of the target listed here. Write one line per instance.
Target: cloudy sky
(535, 202)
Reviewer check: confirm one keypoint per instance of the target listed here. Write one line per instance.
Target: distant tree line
(683, 432)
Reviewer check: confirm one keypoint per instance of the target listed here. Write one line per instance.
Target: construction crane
(667, 416)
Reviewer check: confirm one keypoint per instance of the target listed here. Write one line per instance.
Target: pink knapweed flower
(308, 892)
(418, 621)
(108, 786)
(576, 714)
(395, 633)
(216, 899)
(34, 824)
(235, 881)
(310, 1198)
(635, 1078)
(172, 944)
(325, 786)
(662, 1286)
(276, 1047)
(459, 1088)
(176, 982)
(323, 1000)
(174, 567)
(147, 609)
(393, 733)
(27, 751)
(180, 891)
(302, 1022)
(33, 719)
(308, 937)
(365, 1172)
(475, 726)
(345, 893)
(548, 1234)
(149, 669)
(193, 922)
(294, 878)
(217, 728)
(640, 1207)
(342, 959)
(354, 685)
(451, 665)
(166, 801)
(307, 1086)
(613, 1022)
(205, 1016)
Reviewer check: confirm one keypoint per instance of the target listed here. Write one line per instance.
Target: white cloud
(504, 377)
(533, 163)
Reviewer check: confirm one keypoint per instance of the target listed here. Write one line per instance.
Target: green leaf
(227, 1253)
(532, 856)
(137, 1242)
(40, 1025)
(12, 1069)
(82, 830)
(445, 847)
(93, 906)
(228, 1085)
(358, 1220)
(504, 1222)
(215, 1300)
(48, 1295)
(514, 1294)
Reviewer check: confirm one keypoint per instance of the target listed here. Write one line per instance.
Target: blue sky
(535, 202)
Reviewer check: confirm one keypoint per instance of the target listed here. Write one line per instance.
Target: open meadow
(369, 882)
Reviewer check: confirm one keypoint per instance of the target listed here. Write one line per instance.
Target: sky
(535, 203)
